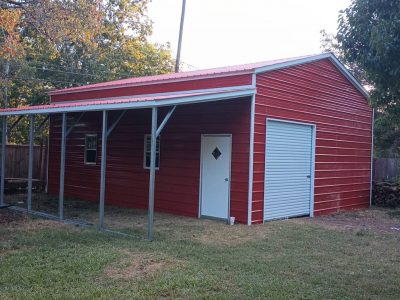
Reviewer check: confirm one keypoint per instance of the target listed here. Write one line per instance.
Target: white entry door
(215, 175)
(288, 170)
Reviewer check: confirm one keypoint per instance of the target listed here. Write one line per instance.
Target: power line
(63, 69)
(57, 68)
(60, 71)
(130, 74)
(46, 80)
(68, 72)
(78, 73)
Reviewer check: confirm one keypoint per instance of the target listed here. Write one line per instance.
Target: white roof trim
(152, 82)
(135, 105)
(349, 76)
(305, 60)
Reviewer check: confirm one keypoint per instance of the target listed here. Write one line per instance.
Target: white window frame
(146, 137)
(86, 136)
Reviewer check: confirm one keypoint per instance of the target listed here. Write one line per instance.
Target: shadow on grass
(192, 258)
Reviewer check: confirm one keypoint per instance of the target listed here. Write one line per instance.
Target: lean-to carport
(153, 102)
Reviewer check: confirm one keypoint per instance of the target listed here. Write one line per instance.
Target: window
(90, 149)
(147, 152)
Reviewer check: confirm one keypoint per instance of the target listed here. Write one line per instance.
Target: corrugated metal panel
(132, 102)
(287, 170)
(212, 74)
(318, 93)
(177, 180)
(190, 85)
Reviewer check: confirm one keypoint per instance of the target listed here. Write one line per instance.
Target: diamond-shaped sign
(216, 153)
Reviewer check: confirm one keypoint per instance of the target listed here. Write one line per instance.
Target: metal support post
(3, 160)
(372, 158)
(30, 161)
(152, 174)
(103, 170)
(62, 167)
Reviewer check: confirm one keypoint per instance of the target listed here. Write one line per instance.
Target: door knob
(308, 176)
(226, 179)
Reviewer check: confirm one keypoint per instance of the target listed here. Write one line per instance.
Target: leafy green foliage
(73, 43)
(369, 37)
(329, 43)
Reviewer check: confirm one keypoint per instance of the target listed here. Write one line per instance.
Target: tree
(51, 44)
(369, 37)
(329, 43)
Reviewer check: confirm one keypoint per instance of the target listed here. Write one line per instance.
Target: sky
(230, 32)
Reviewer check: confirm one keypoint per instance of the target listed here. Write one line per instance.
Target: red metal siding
(177, 180)
(219, 82)
(318, 93)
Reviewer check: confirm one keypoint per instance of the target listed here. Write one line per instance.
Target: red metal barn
(256, 142)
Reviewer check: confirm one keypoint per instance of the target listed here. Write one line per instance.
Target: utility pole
(178, 54)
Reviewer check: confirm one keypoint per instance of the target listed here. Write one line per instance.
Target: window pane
(157, 160)
(147, 160)
(148, 151)
(91, 142)
(91, 156)
(148, 143)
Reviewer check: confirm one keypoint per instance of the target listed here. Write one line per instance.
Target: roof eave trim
(134, 105)
(292, 63)
(314, 58)
(349, 76)
(175, 93)
(152, 82)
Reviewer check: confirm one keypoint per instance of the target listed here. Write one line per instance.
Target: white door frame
(313, 143)
(201, 173)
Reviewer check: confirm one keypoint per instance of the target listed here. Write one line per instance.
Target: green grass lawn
(349, 256)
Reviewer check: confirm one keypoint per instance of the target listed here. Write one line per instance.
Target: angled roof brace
(74, 124)
(15, 123)
(111, 128)
(41, 125)
(164, 122)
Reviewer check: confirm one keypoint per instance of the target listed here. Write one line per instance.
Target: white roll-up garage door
(288, 170)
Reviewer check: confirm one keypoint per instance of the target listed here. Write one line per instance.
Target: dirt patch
(8, 217)
(36, 224)
(13, 220)
(138, 265)
(376, 220)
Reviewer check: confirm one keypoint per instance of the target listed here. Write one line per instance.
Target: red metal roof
(129, 102)
(247, 68)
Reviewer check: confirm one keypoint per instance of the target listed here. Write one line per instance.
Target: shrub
(386, 194)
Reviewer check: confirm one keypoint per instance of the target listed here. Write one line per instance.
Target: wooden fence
(17, 161)
(386, 168)
(18, 156)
